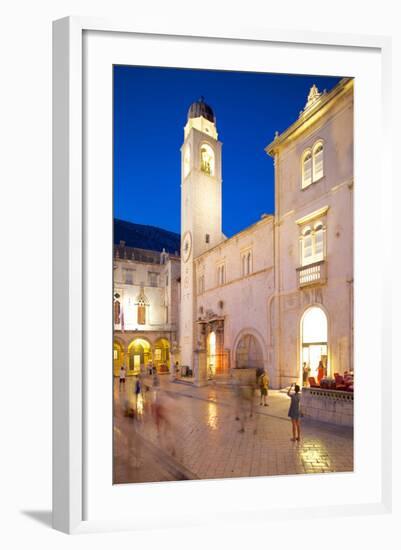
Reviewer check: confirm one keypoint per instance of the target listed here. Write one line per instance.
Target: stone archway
(161, 355)
(139, 355)
(118, 357)
(314, 340)
(249, 352)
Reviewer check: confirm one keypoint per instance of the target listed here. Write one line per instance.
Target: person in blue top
(294, 412)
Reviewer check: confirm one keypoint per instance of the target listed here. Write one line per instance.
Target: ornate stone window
(117, 309)
(312, 243)
(207, 159)
(312, 165)
(142, 304)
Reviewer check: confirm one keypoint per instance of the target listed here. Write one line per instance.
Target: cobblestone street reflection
(178, 432)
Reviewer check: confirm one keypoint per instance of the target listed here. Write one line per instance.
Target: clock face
(186, 246)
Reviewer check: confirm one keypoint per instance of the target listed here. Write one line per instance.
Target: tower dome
(200, 108)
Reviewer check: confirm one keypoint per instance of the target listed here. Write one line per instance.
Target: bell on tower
(202, 118)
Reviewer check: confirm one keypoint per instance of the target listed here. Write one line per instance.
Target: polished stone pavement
(182, 432)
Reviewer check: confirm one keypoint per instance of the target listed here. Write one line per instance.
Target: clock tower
(200, 212)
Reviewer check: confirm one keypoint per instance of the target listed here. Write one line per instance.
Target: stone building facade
(145, 308)
(279, 294)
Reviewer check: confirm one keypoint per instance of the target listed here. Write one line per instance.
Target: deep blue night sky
(150, 112)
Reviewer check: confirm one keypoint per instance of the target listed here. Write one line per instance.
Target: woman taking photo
(294, 412)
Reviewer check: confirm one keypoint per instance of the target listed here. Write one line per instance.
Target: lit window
(312, 165)
(141, 312)
(306, 169)
(317, 161)
(117, 311)
(312, 244)
(207, 159)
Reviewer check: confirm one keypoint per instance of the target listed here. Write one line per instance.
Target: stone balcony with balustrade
(312, 274)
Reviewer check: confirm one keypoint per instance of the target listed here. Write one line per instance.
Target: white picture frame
(70, 227)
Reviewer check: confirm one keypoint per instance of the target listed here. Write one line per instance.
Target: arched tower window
(318, 161)
(207, 159)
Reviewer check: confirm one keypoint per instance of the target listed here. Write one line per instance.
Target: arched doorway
(211, 354)
(118, 357)
(139, 353)
(313, 339)
(249, 353)
(161, 355)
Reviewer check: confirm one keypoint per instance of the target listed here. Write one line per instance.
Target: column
(200, 371)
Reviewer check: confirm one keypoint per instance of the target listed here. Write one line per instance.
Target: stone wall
(335, 407)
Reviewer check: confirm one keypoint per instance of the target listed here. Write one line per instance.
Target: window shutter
(307, 171)
(318, 163)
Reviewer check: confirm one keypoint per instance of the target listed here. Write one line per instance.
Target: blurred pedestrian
(244, 400)
(155, 379)
(138, 396)
(294, 412)
(305, 373)
(320, 372)
(264, 388)
(122, 376)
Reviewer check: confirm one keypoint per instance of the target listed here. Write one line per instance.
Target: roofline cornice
(340, 89)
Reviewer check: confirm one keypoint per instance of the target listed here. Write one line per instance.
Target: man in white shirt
(122, 376)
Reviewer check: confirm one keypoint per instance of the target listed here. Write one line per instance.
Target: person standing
(122, 376)
(320, 372)
(294, 412)
(138, 391)
(305, 373)
(264, 388)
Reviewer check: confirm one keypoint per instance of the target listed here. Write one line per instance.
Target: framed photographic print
(213, 238)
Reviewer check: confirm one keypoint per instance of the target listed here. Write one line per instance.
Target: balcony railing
(312, 274)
